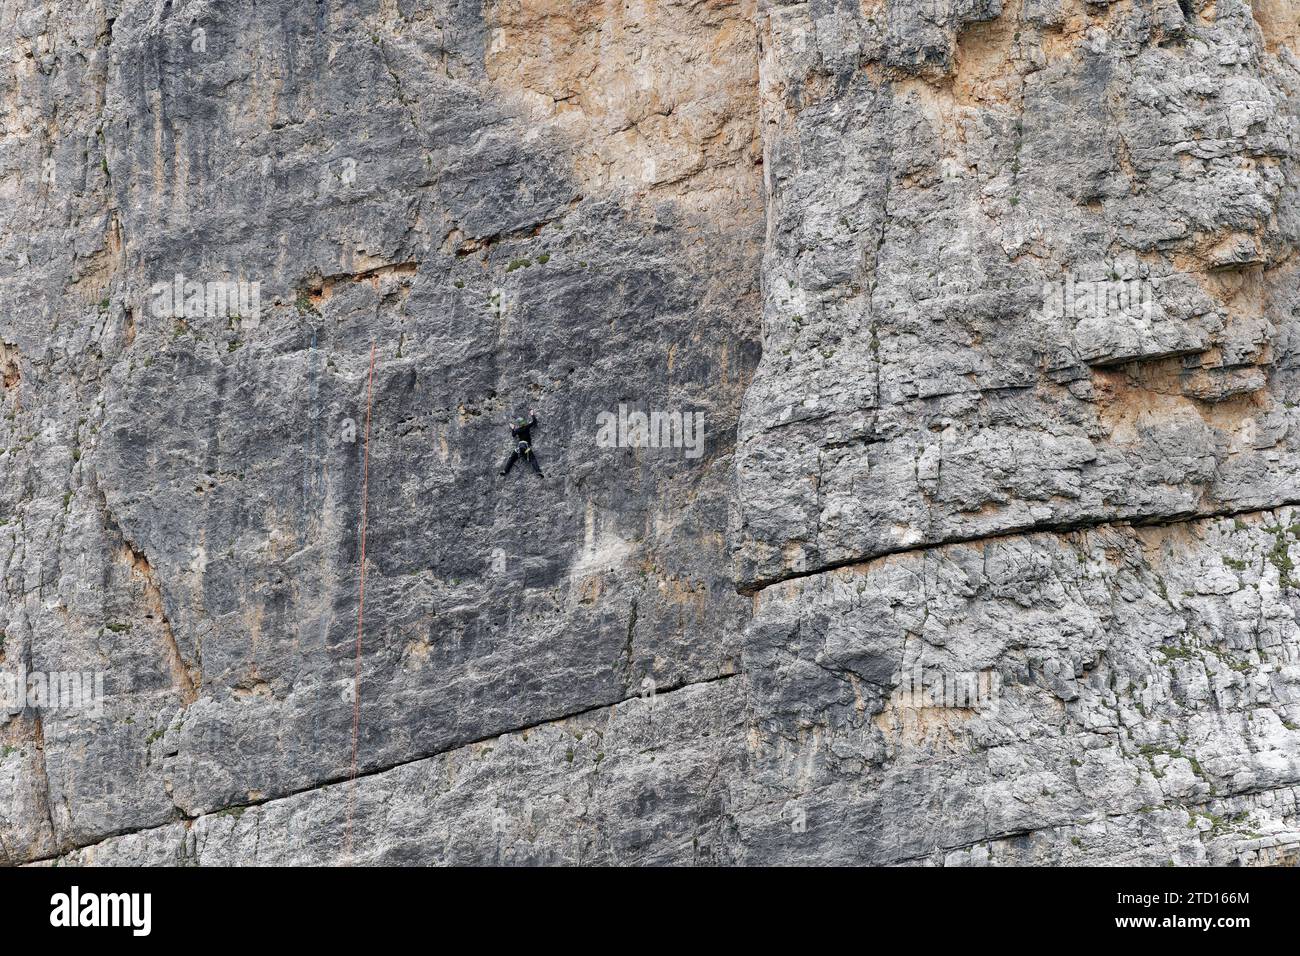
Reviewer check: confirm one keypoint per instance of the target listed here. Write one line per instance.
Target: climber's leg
(532, 460)
(510, 463)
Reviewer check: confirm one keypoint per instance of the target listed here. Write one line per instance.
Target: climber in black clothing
(522, 434)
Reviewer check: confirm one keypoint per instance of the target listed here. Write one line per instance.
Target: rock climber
(521, 432)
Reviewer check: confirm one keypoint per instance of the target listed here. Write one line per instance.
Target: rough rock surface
(833, 228)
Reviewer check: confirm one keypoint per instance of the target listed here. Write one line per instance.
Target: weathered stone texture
(851, 234)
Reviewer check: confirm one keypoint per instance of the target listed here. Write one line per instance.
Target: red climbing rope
(361, 613)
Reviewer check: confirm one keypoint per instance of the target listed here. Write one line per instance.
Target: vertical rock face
(1047, 283)
(987, 558)
(454, 187)
(1029, 287)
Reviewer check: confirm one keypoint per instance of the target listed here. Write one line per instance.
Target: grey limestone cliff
(990, 312)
